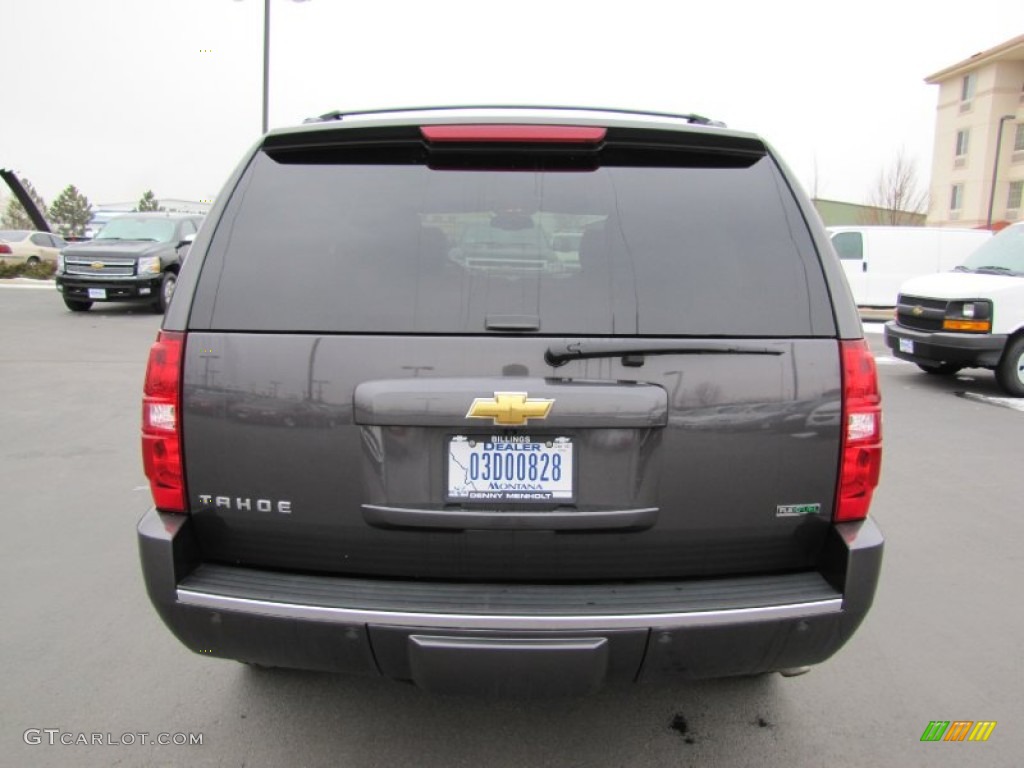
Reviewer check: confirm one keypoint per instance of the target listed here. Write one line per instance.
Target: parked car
(24, 246)
(877, 260)
(475, 471)
(135, 257)
(505, 242)
(972, 317)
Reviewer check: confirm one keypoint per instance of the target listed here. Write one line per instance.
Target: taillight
(514, 134)
(862, 432)
(161, 425)
(4, 248)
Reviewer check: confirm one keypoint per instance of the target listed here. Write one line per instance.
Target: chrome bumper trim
(510, 622)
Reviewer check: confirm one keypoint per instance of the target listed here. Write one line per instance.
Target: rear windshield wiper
(632, 351)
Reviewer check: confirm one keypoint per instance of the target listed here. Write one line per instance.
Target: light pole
(995, 165)
(266, 63)
(266, 59)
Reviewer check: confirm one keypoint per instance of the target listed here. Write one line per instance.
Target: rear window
(699, 248)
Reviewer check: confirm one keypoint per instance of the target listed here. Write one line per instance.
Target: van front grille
(920, 313)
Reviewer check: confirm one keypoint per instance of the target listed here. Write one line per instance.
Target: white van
(878, 259)
(972, 317)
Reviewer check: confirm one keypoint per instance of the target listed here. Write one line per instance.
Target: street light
(266, 58)
(995, 165)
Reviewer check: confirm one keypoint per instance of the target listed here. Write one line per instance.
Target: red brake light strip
(513, 134)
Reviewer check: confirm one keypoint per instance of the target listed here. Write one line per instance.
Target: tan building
(975, 181)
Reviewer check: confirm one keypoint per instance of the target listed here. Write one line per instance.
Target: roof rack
(694, 119)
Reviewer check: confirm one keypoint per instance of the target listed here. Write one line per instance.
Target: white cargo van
(877, 260)
(972, 317)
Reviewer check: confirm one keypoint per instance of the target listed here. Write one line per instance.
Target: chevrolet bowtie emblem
(917, 311)
(97, 265)
(510, 409)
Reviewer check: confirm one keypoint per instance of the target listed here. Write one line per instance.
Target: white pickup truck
(972, 317)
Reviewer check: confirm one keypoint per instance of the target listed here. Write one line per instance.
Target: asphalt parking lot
(84, 653)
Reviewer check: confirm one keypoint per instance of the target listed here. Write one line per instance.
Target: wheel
(163, 300)
(942, 369)
(77, 306)
(32, 261)
(1010, 371)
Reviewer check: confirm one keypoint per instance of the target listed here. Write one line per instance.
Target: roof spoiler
(691, 118)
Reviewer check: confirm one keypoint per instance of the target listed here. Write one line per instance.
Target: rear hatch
(390, 370)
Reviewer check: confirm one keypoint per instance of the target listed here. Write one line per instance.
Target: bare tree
(897, 198)
(708, 394)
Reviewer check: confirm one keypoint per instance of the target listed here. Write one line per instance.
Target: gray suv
(390, 429)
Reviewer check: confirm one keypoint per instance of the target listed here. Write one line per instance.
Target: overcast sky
(120, 96)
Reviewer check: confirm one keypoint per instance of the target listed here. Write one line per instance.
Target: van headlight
(149, 265)
(968, 317)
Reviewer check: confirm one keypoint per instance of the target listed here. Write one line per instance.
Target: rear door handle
(477, 520)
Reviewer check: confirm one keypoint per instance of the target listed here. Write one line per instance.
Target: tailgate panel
(290, 438)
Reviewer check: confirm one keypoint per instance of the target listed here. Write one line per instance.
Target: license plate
(97, 293)
(907, 346)
(510, 468)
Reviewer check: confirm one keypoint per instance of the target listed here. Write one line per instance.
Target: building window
(956, 198)
(967, 87)
(1018, 139)
(962, 138)
(1014, 197)
(967, 90)
(961, 141)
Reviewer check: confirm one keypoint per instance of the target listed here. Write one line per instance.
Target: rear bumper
(126, 289)
(934, 348)
(566, 639)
